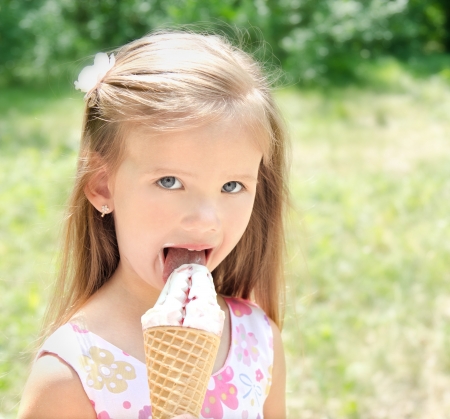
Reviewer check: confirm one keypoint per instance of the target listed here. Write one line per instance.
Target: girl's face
(192, 189)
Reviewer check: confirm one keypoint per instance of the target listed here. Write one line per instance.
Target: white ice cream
(188, 299)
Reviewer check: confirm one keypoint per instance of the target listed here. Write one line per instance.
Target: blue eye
(232, 187)
(169, 182)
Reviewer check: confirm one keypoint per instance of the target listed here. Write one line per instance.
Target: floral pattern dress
(116, 383)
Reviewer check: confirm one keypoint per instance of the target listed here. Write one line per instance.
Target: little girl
(182, 147)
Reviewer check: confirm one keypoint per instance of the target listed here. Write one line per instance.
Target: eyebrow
(164, 171)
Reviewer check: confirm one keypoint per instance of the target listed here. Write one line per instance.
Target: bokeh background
(365, 89)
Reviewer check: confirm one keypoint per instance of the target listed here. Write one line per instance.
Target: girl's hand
(185, 416)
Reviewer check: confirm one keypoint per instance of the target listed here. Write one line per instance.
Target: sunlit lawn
(367, 330)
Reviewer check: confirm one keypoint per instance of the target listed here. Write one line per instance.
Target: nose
(201, 216)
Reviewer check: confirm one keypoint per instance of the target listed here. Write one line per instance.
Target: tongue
(176, 257)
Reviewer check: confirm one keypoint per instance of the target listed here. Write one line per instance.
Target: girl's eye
(169, 182)
(232, 187)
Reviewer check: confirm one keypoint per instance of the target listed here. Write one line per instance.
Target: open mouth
(174, 257)
(207, 253)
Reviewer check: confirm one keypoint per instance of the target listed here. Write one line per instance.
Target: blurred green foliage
(315, 40)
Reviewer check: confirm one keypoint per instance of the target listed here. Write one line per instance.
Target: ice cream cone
(179, 364)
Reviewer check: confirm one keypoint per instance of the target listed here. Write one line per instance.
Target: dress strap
(241, 387)
(115, 382)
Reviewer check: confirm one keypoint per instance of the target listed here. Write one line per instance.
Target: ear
(98, 189)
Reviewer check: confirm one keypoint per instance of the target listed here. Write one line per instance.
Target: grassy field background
(367, 329)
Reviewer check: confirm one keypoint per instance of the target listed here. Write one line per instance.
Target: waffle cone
(179, 364)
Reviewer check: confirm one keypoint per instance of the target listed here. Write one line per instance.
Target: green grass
(38, 137)
(367, 329)
(371, 188)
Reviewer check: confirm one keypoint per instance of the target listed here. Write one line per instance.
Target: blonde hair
(172, 80)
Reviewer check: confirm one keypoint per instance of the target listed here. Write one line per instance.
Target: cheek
(237, 220)
(141, 208)
(139, 221)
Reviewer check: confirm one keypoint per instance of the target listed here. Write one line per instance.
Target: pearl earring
(105, 210)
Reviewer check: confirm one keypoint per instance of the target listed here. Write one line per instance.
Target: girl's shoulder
(53, 388)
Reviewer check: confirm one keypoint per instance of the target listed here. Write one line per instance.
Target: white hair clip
(91, 75)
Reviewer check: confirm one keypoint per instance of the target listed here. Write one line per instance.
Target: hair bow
(91, 75)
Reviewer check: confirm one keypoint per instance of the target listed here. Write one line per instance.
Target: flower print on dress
(105, 371)
(252, 389)
(78, 329)
(103, 415)
(145, 412)
(220, 391)
(239, 308)
(246, 349)
(259, 375)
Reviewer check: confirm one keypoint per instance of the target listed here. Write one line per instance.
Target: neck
(128, 292)
(114, 312)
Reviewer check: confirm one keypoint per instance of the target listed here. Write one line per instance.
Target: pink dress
(116, 383)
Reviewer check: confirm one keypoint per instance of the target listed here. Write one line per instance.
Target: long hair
(172, 80)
